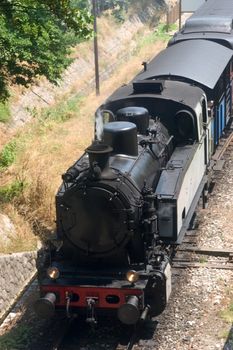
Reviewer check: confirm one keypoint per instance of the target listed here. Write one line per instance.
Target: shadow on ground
(107, 334)
(29, 332)
(229, 343)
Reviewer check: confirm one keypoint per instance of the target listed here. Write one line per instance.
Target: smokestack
(99, 155)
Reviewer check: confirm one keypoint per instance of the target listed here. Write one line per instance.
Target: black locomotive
(133, 193)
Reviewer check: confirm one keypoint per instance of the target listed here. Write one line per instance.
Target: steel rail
(208, 251)
(220, 152)
(61, 334)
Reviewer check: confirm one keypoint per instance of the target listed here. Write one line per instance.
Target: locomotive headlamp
(53, 272)
(132, 276)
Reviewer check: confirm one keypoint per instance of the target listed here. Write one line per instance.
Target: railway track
(74, 335)
(222, 154)
(131, 341)
(205, 257)
(61, 334)
(225, 144)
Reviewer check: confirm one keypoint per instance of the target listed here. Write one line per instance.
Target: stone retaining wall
(16, 270)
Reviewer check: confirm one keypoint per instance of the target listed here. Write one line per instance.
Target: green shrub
(9, 192)
(61, 112)
(163, 30)
(161, 33)
(8, 154)
(4, 112)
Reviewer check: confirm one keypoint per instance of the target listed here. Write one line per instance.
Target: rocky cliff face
(7, 230)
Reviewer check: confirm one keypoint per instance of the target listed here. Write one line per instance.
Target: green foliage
(161, 33)
(118, 7)
(82, 4)
(36, 37)
(163, 30)
(4, 112)
(119, 15)
(8, 154)
(102, 5)
(18, 338)
(9, 192)
(61, 112)
(146, 40)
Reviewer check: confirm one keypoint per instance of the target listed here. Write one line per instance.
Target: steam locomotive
(133, 193)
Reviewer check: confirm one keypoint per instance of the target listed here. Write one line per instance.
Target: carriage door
(205, 121)
(221, 116)
(210, 127)
(229, 77)
(231, 86)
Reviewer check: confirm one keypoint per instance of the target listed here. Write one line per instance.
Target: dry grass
(3, 136)
(24, 239)
(51, 147)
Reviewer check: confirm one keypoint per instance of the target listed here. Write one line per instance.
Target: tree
(36, 37)
(118, 6)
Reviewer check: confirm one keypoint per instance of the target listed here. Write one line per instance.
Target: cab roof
(212, 16)
(197, 61)
(176, 91)
(212, 21)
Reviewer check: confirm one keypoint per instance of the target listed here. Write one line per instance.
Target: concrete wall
(16, 270)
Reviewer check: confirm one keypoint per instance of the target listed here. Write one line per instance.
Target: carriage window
(185, 124)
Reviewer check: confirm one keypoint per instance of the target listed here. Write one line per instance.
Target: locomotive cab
(185, 117)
